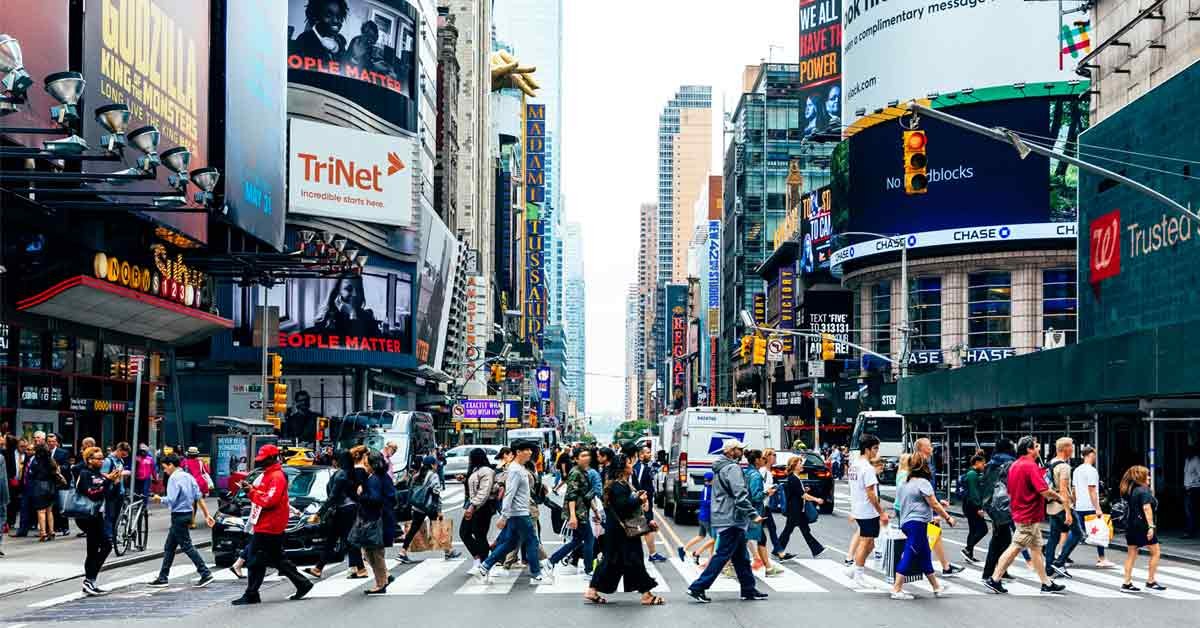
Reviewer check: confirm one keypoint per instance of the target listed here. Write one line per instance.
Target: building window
(881, 318)
(1058, 301)
(989, 309)
(85, 356)
(925, 313)
(31, 349)
(60, 352)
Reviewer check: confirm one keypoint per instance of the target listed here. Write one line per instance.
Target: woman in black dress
(45, 479)
(623, 558)
(341, 509)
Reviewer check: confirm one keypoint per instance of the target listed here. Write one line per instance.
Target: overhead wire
(1123, 163)
(1057, 141)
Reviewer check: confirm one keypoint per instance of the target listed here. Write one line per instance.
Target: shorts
(704, 529)
(649, 515)
(868, 528)
(1028, 536)
(1135, 536)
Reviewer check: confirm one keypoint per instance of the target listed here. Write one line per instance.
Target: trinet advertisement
(339, 172)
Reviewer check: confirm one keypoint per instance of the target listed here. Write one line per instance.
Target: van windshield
(887, 429)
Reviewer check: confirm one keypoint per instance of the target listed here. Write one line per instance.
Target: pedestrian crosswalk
(801, 577)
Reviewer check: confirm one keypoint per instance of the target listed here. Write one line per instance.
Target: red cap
(266, 451)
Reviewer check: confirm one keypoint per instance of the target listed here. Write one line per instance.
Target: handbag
(366, 532)
(810, 512)
(79, 506)
(441, 531)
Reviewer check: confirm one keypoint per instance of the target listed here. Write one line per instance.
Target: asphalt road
(437, 592)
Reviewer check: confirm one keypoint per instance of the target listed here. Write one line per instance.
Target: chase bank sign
(949, 237)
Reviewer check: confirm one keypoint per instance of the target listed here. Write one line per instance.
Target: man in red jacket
(269, 512)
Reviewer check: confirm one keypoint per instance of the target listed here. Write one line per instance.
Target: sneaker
(994, 585)
(91, 590)
(754, 596)
(204, 581)
(952, 571)
(247, 599)
(1058, 571)
(404, 559)
(478, 572)
(301, 590)
(699, 596)
(969, 556)
(1105, 564)
(158, 583)
(1154, 586)
(452, 554)
(657, 558)
(848, 561)
(1067, 562)
(727, 572)
(784, 556)
(539, 580)
(774, 571)
(942, 591)
(682, 555)
(1053, 588)
(860, 580)
(1008, 576)
(901, 595)
(818, 553)
(1129, 588)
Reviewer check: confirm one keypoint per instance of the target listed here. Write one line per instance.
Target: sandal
(353, 575)
(653, 600)
(312, 571)
(598, 600)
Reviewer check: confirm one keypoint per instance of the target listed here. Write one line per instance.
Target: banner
(821, 65)
(355, 54)
(439, 255)
(256, 118)
(535, 153)
(342, 173)
(43, 35)
(535, 282)
(677, 326)
(153, 57)
(787, 305)
(714, 276)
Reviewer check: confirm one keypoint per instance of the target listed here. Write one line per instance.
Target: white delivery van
(698, 434)
(663, 444)
(891, 430)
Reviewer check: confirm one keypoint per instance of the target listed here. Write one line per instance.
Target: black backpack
(996, 501)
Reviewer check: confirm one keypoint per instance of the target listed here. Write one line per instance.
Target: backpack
(996, 502)
(960, 489)
(778, 502)
(1050, 473)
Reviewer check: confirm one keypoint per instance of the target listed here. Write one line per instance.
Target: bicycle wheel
(143, 529)
(122, 535)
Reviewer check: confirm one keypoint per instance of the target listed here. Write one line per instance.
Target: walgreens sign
(339, 172)
(1104, 252)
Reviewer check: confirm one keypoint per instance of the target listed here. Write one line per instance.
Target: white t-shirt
(1085, 475)
(862, 476)
(768, 481)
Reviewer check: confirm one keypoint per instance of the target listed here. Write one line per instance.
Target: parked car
(816, 476)
(305, 536)
(459, 458)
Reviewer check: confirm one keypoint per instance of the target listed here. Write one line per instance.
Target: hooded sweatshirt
(731, 506)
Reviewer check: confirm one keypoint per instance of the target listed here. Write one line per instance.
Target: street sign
(458, 411)
(775, 350)
(816, 368)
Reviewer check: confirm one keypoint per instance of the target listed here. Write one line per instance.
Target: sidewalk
(1174, 546)
(28, 564)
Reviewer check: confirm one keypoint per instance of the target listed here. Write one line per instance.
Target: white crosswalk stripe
(339, 585)
(423, 576)
(500, 583)
(176, 572)
(836, 572)
(790, 582)
(690, 572)
(578, 582)
(1073, 586)
(1116, 581)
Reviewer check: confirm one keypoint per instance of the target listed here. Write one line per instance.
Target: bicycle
(133, 527)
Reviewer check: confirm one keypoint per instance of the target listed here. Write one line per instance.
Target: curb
(1113, 545)
(124, 561)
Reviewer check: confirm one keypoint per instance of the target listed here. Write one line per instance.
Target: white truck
(696, 442)
(892, 432)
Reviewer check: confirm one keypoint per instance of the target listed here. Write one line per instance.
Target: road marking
(1117, 581)
(423, 577)
(1142, 575)
(1018, 589)
(690, 572)
(176, 572)
(836, 572)
(1179, 571)
(337, 587)
(790, 582)
(1072, 586)
(567, 583)
(500, 585)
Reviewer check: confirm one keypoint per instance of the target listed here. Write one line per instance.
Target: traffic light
(746, 348)
(276, 421)
(276, 366)
(916, 179)
(828, 350)
(498, 373)
(760, 350)
(279, 398)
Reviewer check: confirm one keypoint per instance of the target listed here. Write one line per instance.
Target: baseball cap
(266, 451)
(732, 443)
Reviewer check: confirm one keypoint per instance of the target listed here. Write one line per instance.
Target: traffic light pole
(265, 344)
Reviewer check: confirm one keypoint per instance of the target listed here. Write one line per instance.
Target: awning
(90, 301)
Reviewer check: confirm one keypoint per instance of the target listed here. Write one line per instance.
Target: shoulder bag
(636, 525)
(78, 506)
(366, 533)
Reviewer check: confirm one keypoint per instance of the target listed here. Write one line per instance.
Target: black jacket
(643, 477)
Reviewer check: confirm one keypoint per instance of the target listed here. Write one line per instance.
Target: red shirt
(269, 508)
(1026, 481)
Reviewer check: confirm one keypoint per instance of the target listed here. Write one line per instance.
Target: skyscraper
(575, 313)
(647, 281)
(631, 353)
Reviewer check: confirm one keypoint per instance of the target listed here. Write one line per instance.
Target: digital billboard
(904, 49)
(256, 117)
(973, 180)
(43, 36)
(153, 57)
(829, 312)
(360, 52)
(816, 212)
(820, 81)
(439, 263)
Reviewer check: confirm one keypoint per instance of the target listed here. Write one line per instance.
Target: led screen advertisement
(256, 117)
(361, 52)
(820, 82)
(904, 49)
(437, 267)
(153, 57)
(973, 180)
(43, 37)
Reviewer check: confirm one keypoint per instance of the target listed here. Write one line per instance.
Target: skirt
(917, 559)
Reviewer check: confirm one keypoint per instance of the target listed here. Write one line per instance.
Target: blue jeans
(112, 510)
(731, 545)
(26, 517)
(581, 537)
(520, 534)
(1075, 537)
(179, 537)
(1058, 525)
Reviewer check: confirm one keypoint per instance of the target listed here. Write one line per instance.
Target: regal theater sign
(169, 278)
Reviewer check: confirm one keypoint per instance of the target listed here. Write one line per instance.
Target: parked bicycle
(133, 527)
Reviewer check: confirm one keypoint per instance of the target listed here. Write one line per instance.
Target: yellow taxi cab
(298, 456)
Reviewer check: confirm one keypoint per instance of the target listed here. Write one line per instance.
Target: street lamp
(902, 241)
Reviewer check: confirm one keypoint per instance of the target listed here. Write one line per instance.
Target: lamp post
(902, 241)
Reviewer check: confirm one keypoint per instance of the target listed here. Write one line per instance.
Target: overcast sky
(622, 61)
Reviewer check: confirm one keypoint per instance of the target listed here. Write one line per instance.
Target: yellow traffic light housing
(746, 348)
(760, 350)
(276, 366)
(279, 398)
(828, 349)
(916, 178)
(274, 420)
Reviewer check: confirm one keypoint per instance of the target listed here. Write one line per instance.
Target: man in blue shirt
(114, 502)
(182, 492)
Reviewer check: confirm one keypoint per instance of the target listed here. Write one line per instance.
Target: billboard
(256, 117)
(816, 210)
(535, 305)
(337, 172)
(714, 276)
(439, 263)
(973, 180)
(153, 57)
(904, 49)
(360, 53)
(820, 81)
(829, 312)
(677, 332)
(535, 153)
(787, 305)
(43, 35)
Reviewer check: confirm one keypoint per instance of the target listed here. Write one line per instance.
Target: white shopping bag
(1099, 530)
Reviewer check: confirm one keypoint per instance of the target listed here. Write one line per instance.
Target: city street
(809, 590)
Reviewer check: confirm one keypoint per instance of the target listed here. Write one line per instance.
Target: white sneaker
(539, 580)
(1105, 564)
(860, 580)
(901, 595)
(479, 573)
(942, 591)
